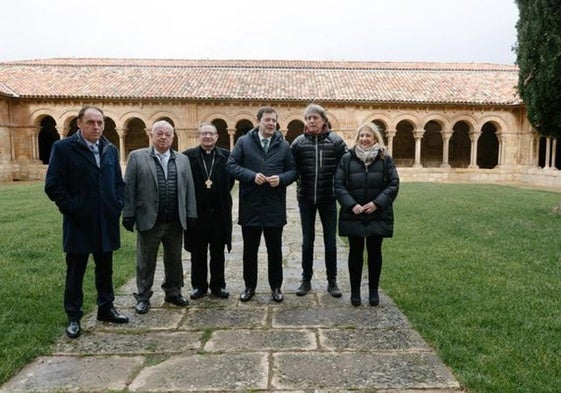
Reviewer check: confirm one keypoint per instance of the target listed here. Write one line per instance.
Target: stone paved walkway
(314, 343)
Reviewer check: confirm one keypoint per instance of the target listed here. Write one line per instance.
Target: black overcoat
(262, 205)
(89, 197)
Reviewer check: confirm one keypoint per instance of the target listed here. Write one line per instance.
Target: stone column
(232, 135)
(390, 134)
(473, 137)
(122, 132)
(418, 135)
(12, 143)
(501, 152)
(553, 153)
(35, 143)
(446, 136)
(547, 163)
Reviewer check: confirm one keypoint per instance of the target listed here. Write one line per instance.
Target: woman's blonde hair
(374, 130)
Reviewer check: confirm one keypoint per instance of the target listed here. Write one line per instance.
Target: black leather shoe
(73, 329)
(355, 301)
(374, 299)
(277, 295)
(247, 294)
(221, 293)
(197, 293)
(111, 315)
(304, 288)
(142, 307)
(333, 288)
(178, 300)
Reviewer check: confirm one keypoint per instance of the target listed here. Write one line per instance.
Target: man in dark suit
(264, 165)
(160, 201)
(214, 214)
(84, 180)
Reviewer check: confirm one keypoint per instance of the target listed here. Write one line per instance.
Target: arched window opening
(431, 145)
(223, 137)
(404, 145)
(243, 127)
(460, 146)
(110, 131)
(47, 136)
(295, 128)
(488, 147)
(136, 136)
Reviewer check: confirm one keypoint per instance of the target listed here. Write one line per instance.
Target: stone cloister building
(441, 122)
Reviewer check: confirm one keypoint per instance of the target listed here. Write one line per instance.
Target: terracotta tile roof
(270, 80)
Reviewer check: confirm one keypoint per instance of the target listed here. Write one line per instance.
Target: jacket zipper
(316, 171)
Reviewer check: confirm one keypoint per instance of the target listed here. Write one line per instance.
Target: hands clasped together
(261, 179)
(369, 208)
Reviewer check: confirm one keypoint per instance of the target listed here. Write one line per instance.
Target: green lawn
(476, 269)
(32, 271)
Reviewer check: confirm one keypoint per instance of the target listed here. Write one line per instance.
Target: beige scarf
(367, 155)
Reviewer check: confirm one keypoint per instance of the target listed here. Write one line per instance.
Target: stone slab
(75, 373)
(156, 319)
(367, 371)
(387, 339)
(123, 343)
(261, 340)
(343, 317)
(238, 317)
(206, 372)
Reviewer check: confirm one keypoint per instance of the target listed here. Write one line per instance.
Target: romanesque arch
(488, 147)
(294, 128)
(223, 135)
(432, 145)
(404, 143)
(110, 131)
(243, 126)
(136, 135)
(460, 145)
(48, 135)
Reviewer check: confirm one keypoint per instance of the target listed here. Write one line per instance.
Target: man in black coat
(263, 164)
(213, 230)
(84, 180)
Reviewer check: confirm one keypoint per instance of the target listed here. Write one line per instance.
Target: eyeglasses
(207, 133)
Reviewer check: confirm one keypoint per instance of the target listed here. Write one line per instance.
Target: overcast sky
(480, 31)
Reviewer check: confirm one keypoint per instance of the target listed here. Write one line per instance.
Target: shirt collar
(166, 154)
(88, 143)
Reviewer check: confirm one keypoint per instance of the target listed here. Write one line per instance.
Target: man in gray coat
(160, 201)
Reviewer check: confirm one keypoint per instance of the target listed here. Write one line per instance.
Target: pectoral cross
(208, 183)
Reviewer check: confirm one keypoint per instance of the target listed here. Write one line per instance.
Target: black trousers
(273, 241)
(75, 270)
(208, 237)
(356, 261)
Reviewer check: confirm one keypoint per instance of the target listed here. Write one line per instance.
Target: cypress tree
(538, 55)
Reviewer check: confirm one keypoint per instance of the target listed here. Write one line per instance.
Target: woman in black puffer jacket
(366, 184)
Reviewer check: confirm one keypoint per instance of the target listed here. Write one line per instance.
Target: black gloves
(128, 223)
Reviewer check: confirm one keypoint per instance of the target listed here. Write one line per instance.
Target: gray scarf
(367, 155)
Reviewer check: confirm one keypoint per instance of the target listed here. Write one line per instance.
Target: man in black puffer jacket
(317, 153)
